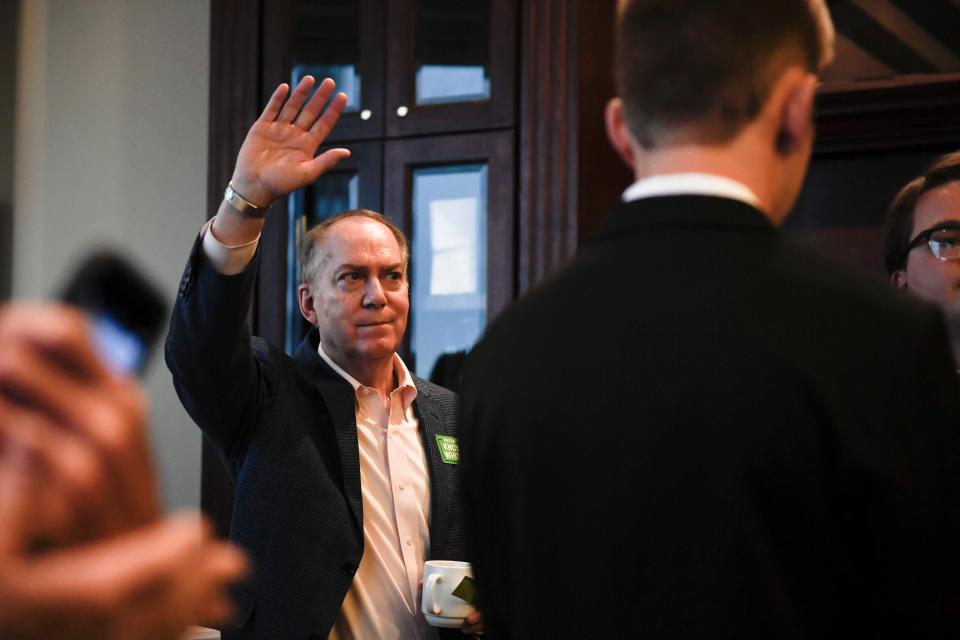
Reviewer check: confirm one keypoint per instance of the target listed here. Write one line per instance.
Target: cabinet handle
(365, 114)
(402, 111)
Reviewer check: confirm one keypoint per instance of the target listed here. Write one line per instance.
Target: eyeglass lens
(945, 244)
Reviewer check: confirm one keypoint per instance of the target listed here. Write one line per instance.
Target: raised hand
(277, 156)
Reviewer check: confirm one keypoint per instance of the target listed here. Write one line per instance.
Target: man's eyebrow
(394, 266)
(350, 267)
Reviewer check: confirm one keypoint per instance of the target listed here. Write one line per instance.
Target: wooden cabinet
(476, 124)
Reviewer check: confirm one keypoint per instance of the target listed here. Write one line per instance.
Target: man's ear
(305, 297)
(618, 133)
(899, 279)
(796, 115)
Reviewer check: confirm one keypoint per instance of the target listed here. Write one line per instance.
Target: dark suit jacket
(701, 430)
(286, 429)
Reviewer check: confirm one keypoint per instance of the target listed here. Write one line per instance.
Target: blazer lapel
(442, 477)
(336, 397)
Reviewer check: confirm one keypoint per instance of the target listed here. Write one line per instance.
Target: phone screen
(119, 347)
(126, 311)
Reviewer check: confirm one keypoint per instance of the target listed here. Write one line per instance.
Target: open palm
(277, 156)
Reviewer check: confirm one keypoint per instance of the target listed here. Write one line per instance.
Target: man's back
(713, 432)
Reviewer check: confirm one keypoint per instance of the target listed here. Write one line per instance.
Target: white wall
(111, 148)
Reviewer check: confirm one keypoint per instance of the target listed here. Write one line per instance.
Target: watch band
(241, 204)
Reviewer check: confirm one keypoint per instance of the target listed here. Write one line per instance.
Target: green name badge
(449, 449)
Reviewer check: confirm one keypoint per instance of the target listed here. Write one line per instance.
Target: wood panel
(601, 175)
(569, 176)
(548, 224)
(235, 99)
(902, 113)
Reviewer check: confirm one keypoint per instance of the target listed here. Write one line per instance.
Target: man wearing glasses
(922, 240)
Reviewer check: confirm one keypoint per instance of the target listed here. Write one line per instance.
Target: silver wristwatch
(241, 204)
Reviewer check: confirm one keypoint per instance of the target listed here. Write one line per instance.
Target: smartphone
(127, 312)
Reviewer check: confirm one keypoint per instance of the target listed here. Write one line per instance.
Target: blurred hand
(83, 428)
(83, 551)
(277, 156)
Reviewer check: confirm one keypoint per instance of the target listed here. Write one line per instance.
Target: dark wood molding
(569, 176)
(910, 112)
(235, 99)
(234, 87)
(601, 174)
(547, 229)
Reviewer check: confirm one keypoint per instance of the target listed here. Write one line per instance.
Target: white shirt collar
(405, 380)
(701, 184)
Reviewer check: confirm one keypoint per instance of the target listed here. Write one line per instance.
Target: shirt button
(409, 542)
(402, 486)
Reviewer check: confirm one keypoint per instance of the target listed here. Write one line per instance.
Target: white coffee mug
(440, 607)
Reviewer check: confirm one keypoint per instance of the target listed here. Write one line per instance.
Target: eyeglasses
(943, 240)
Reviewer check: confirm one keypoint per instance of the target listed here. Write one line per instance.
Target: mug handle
(431, 588)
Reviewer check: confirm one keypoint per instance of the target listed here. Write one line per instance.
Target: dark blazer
(286, 430)
(700, 430)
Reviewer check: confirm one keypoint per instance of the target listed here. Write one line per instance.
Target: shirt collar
(406, 387)
(704, 184)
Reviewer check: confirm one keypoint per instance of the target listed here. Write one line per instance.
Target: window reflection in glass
(448, 262)
(452, 51)
(346, 77)
(326, 43)
(332, 193)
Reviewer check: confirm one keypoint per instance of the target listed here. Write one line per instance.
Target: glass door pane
(452, 51)
(448, 262)
(451, 66)
(343, 40)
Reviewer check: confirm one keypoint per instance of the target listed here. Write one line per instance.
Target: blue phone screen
(121, 349)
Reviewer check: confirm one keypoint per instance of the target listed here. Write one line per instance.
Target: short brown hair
(705, 68)
(898, 227)
(310, 254)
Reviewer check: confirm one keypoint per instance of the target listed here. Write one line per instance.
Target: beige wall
(111, 149)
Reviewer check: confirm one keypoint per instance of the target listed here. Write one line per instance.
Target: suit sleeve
(916, 507)
(208, 350)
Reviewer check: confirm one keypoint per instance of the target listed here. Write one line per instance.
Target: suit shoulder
(855, 290)
(433, 390)
(441, 395)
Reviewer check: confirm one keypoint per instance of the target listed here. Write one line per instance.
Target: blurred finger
(53, 333)
(272, 109)
(69, 486)
(133, 586)
(100, 456)
(328, 160)
(331, 114)
(14, 500)
(311, 110)
(296, 99)
(473, 623)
